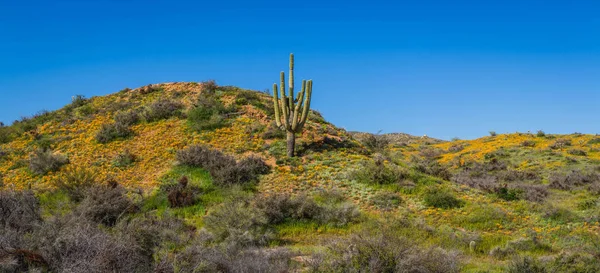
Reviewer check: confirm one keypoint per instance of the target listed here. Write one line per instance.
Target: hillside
(486, 205)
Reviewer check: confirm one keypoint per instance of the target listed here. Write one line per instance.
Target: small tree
(291, 114)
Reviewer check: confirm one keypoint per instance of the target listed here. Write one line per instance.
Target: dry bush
(533, 193)
(112, 131)
(431, 166)
(560, 143)
(528, 143)
(331, 210)
(151, 232)
(239, 224)
(572, 179)
(19, 211)
(127, 118)
(379, 172)
(281, 207)
(578, 152)
(209, 86)
(162, 109)
(105, 204)
(19, 216)
(182, 195)
(382, 252)
(199, 257)
(44, 161)
(75, 244)
(223, 168)
(526, 265)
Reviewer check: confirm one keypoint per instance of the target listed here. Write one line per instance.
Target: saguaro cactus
(290, 113)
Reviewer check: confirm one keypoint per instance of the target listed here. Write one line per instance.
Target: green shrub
(113, 131)
(379, 172)
(75, 182)
(440, 198)
(6, 134)
(44, 161)
(124, 159)
(574, 263)
(386, 200)
(203, 118)
(239, 224)
(493, 133)
(127, 118)
(540, 133)
(594, 141)
(560, 215)
(483, 217)
(509, 194)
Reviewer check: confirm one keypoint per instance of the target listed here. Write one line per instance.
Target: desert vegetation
(196, 177)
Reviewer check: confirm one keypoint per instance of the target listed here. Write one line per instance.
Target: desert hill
(484, 205)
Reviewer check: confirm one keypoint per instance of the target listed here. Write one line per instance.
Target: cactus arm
(295, 121)
(306, 106)
(291, 83)
(276, 105)
(284, 103)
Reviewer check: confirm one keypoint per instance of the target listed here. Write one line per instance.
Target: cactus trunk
(291, 143)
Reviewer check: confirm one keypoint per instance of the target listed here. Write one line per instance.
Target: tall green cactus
(291, 114)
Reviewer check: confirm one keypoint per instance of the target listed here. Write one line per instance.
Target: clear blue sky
(442, 68)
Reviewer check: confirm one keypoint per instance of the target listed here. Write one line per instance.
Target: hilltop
(462, 205)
